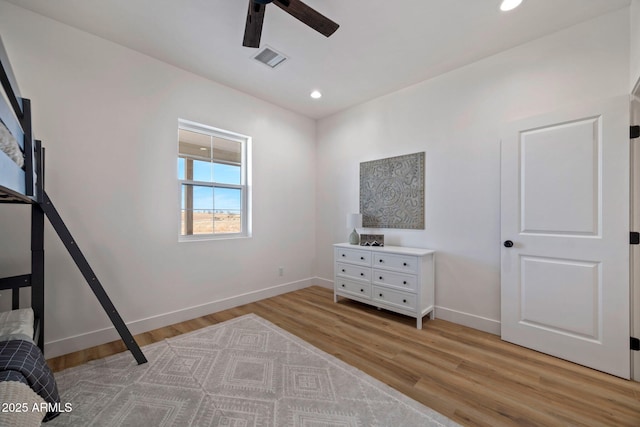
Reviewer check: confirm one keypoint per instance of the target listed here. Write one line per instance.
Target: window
(213, 171)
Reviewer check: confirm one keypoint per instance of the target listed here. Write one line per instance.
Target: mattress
(16, 324)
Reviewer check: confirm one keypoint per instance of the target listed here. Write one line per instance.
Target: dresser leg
(419, 323)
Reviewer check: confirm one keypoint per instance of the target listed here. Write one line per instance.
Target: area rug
(244, 372)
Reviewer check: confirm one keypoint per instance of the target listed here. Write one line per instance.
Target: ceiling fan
(295, 8)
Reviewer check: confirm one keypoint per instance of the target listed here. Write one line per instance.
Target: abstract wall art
(392, 192)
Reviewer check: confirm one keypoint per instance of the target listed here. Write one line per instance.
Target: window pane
(202, 198)
(227, 174)
(197, 210)
(202, 171)
(195, 222)
(194, 144)
(226, 150)
(187, 197)
(228, 203)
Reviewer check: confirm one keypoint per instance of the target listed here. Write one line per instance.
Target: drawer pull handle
(404, 301)
(362, 274)
(343, 270)
(380, 277)
(404, 282)
(380, 294)
(381, 260)
(343, 285)
(344, 255)
(362, 258)
(361, 290)
(404, 263)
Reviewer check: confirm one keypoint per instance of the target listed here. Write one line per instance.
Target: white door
(565, 209)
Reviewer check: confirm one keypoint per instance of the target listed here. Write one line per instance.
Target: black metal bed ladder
(69, 242)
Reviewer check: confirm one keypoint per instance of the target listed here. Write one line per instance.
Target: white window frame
(244, 186)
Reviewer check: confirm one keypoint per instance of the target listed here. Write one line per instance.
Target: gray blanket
(22, 361)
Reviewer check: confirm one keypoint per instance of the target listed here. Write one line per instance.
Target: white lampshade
(354, 220)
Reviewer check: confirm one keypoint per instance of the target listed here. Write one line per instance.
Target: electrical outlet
(281, 271)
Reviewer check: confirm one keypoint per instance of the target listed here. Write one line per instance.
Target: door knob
(508, 243)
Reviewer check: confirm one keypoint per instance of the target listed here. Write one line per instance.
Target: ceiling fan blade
(253, 28)
(309, 16)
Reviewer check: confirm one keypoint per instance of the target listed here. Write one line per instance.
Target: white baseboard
(471, 320)
(325, 283)
(101, 336)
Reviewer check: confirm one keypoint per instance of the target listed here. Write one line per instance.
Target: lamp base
(354, 238)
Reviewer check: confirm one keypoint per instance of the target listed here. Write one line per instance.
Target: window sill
(212, 237)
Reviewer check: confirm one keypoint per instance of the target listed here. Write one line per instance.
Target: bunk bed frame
(26, 186)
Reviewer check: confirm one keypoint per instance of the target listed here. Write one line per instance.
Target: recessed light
(316, 94)
(507, 5)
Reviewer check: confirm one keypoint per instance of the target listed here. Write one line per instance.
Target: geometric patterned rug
(245, 372)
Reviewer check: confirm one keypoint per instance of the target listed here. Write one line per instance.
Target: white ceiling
(381, 45)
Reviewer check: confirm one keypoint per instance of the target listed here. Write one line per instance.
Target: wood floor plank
(468, 375)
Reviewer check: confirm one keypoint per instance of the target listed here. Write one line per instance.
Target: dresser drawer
(352, 271)
(403, 263)
(406, 282)
(395, 298)
(353, 256)
(360, 289)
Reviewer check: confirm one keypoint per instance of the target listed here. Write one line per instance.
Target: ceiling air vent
(270, 57)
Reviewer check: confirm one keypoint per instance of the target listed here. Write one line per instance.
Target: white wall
(635, 43)
(456, 119)
(108, 118)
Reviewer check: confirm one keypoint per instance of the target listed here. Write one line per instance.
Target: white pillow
(16, 322)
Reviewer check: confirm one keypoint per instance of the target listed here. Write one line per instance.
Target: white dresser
(395, 278)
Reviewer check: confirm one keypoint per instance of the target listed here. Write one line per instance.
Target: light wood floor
(470, 376)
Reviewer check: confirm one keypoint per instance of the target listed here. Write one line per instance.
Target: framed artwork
(392, 192)
(372, 240)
